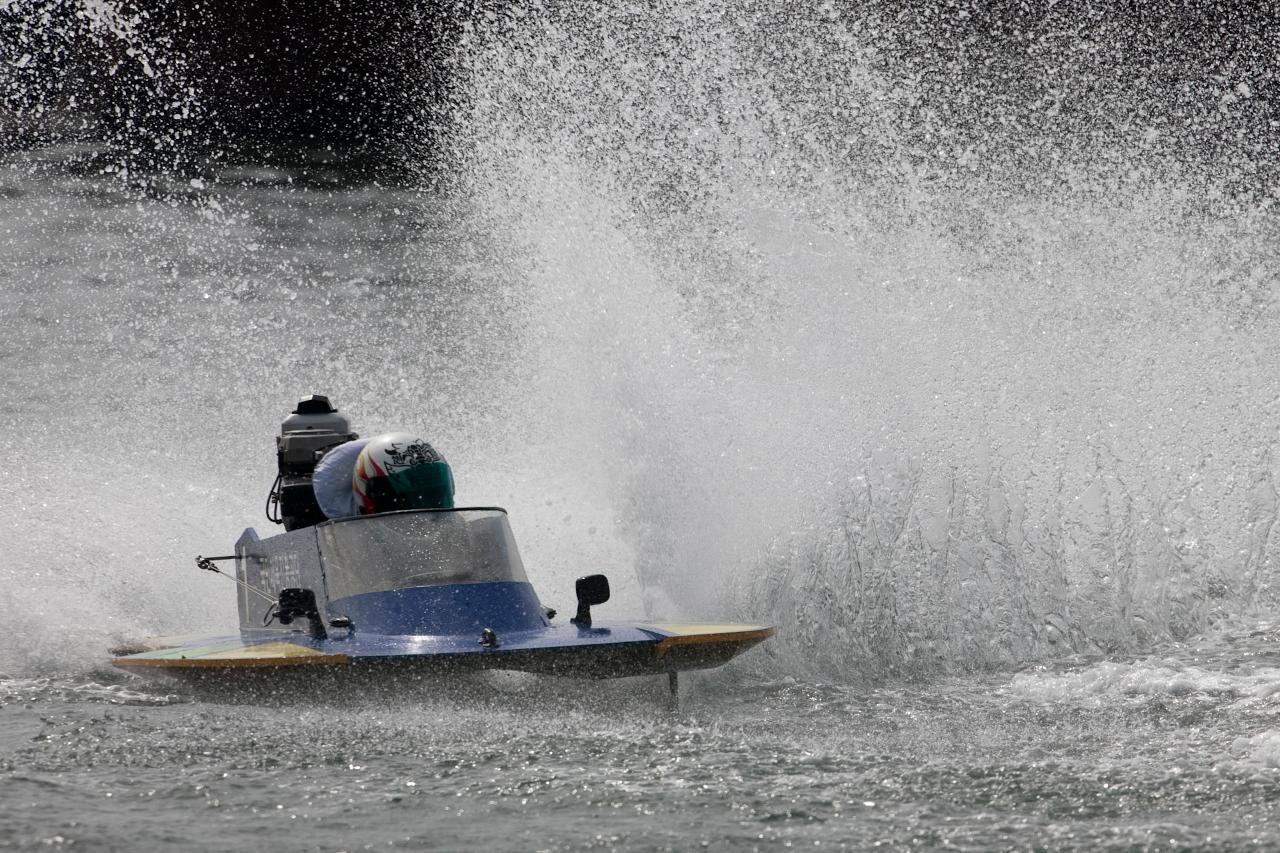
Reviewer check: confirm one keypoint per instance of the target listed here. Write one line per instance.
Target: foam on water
(1105, 682)
(1260, 749)
(99, 690)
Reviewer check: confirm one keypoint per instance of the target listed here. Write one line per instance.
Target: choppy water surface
(1171, 752)
(957, 368)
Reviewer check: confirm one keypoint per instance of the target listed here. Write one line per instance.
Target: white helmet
(400, 471)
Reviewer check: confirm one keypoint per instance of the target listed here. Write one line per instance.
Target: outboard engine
(305, 436)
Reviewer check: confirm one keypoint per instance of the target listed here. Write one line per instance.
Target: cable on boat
(206, 563)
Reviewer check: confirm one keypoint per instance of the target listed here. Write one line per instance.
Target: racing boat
(440, 589)
(403, 580)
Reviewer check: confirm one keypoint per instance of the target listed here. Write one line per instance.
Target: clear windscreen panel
(408, 549)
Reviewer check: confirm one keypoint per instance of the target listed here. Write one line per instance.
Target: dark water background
(944, 341)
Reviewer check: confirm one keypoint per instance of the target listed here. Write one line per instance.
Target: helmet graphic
(399, 471)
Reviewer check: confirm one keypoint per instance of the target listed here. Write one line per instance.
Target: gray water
(964, 381)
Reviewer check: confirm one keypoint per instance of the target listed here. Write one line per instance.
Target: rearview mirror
(295, 603)
(591, 590)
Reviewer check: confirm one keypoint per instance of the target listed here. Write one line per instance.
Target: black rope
(273, 502)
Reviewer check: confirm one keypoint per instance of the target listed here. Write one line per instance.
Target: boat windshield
(422, 548)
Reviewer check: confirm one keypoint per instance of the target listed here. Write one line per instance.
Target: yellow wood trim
(228, 662)
(728, 637)
(704, 627)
